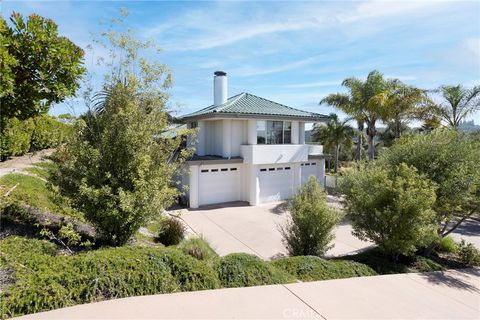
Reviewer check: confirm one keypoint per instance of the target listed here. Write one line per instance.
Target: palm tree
(403, 103)
(346, 101)
(333, 135)
(366, 102)
(459, 102)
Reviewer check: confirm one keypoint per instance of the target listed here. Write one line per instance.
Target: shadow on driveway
(441, 278)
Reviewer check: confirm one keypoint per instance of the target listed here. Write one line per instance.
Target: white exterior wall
(238, 136)
(227, 138)
(301, 134)
(251, 131)
(271, 153)
(295, 132)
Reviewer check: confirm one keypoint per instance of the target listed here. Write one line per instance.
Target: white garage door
(219, 184)
(308, 169)
(276, 183)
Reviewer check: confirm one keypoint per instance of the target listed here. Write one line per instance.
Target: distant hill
(468, 126)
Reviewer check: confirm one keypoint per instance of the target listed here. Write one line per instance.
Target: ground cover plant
(41, 277)
(311, 268)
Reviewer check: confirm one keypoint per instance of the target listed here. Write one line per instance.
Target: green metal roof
(250, 105)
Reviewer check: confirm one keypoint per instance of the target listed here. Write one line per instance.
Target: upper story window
(274, 132)
(193, 124)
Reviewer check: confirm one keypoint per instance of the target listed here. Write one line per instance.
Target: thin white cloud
(314, 84)
(198, 30)
(381, 9)
(227, 36)
(255, 71)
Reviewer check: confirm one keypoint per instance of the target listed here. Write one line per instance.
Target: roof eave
(226, 115)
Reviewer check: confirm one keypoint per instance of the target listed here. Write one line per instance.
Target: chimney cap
(220, 73)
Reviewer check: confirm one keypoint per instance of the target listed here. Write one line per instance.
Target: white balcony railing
(278, 153)
(315, 149)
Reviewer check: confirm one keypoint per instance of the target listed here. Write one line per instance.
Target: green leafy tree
(310, 229)
(365, 102)
(347, 102)
(458, 103)
(38, 67)
(119, 168)
(334, 135)
(391, 206)
(402, 104)
(451, 160)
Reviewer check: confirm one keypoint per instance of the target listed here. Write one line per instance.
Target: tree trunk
(337, 151)
(359, 147)
(398, 129)
(371, 132)
(371, 148)
(360, 140)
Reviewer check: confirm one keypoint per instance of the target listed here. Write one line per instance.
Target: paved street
(453, 294)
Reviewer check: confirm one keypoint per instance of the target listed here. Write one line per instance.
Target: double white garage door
(223, 183)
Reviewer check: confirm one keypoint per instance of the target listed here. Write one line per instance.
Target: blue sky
(290, 52)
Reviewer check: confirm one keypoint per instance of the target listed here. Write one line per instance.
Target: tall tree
(38, 67)
(119, 168)
(366, 102)
(403, 103)
(334, 135)
(458, 103)
(346, 101)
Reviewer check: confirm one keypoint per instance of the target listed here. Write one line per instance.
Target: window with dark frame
(274, 132)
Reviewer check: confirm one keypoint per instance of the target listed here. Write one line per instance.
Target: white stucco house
(249, 149)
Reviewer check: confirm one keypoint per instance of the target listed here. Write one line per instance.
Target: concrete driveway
(238, 227)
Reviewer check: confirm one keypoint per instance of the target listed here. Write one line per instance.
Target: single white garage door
(308, 169)
(276, 183)
(219, 184)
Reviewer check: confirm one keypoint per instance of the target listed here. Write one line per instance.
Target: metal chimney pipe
(220, 88)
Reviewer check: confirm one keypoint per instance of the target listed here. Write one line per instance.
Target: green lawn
(33, 191)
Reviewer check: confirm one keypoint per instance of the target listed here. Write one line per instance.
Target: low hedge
(310, 268)
(245, 270)
(18, 137)
(43, 281)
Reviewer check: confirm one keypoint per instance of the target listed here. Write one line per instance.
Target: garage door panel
(308, 169)
(219, 184)
(276, 183)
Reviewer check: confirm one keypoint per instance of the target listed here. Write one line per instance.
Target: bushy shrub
(469, 253)
(449, 158)
(310, 268)
(391, 207)
(199, 248)
(18, 137)
(48, 132)
(447, 244)
(15, 137)
(309, 230)
(245, 270)
(172, 231)
(44, 282)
